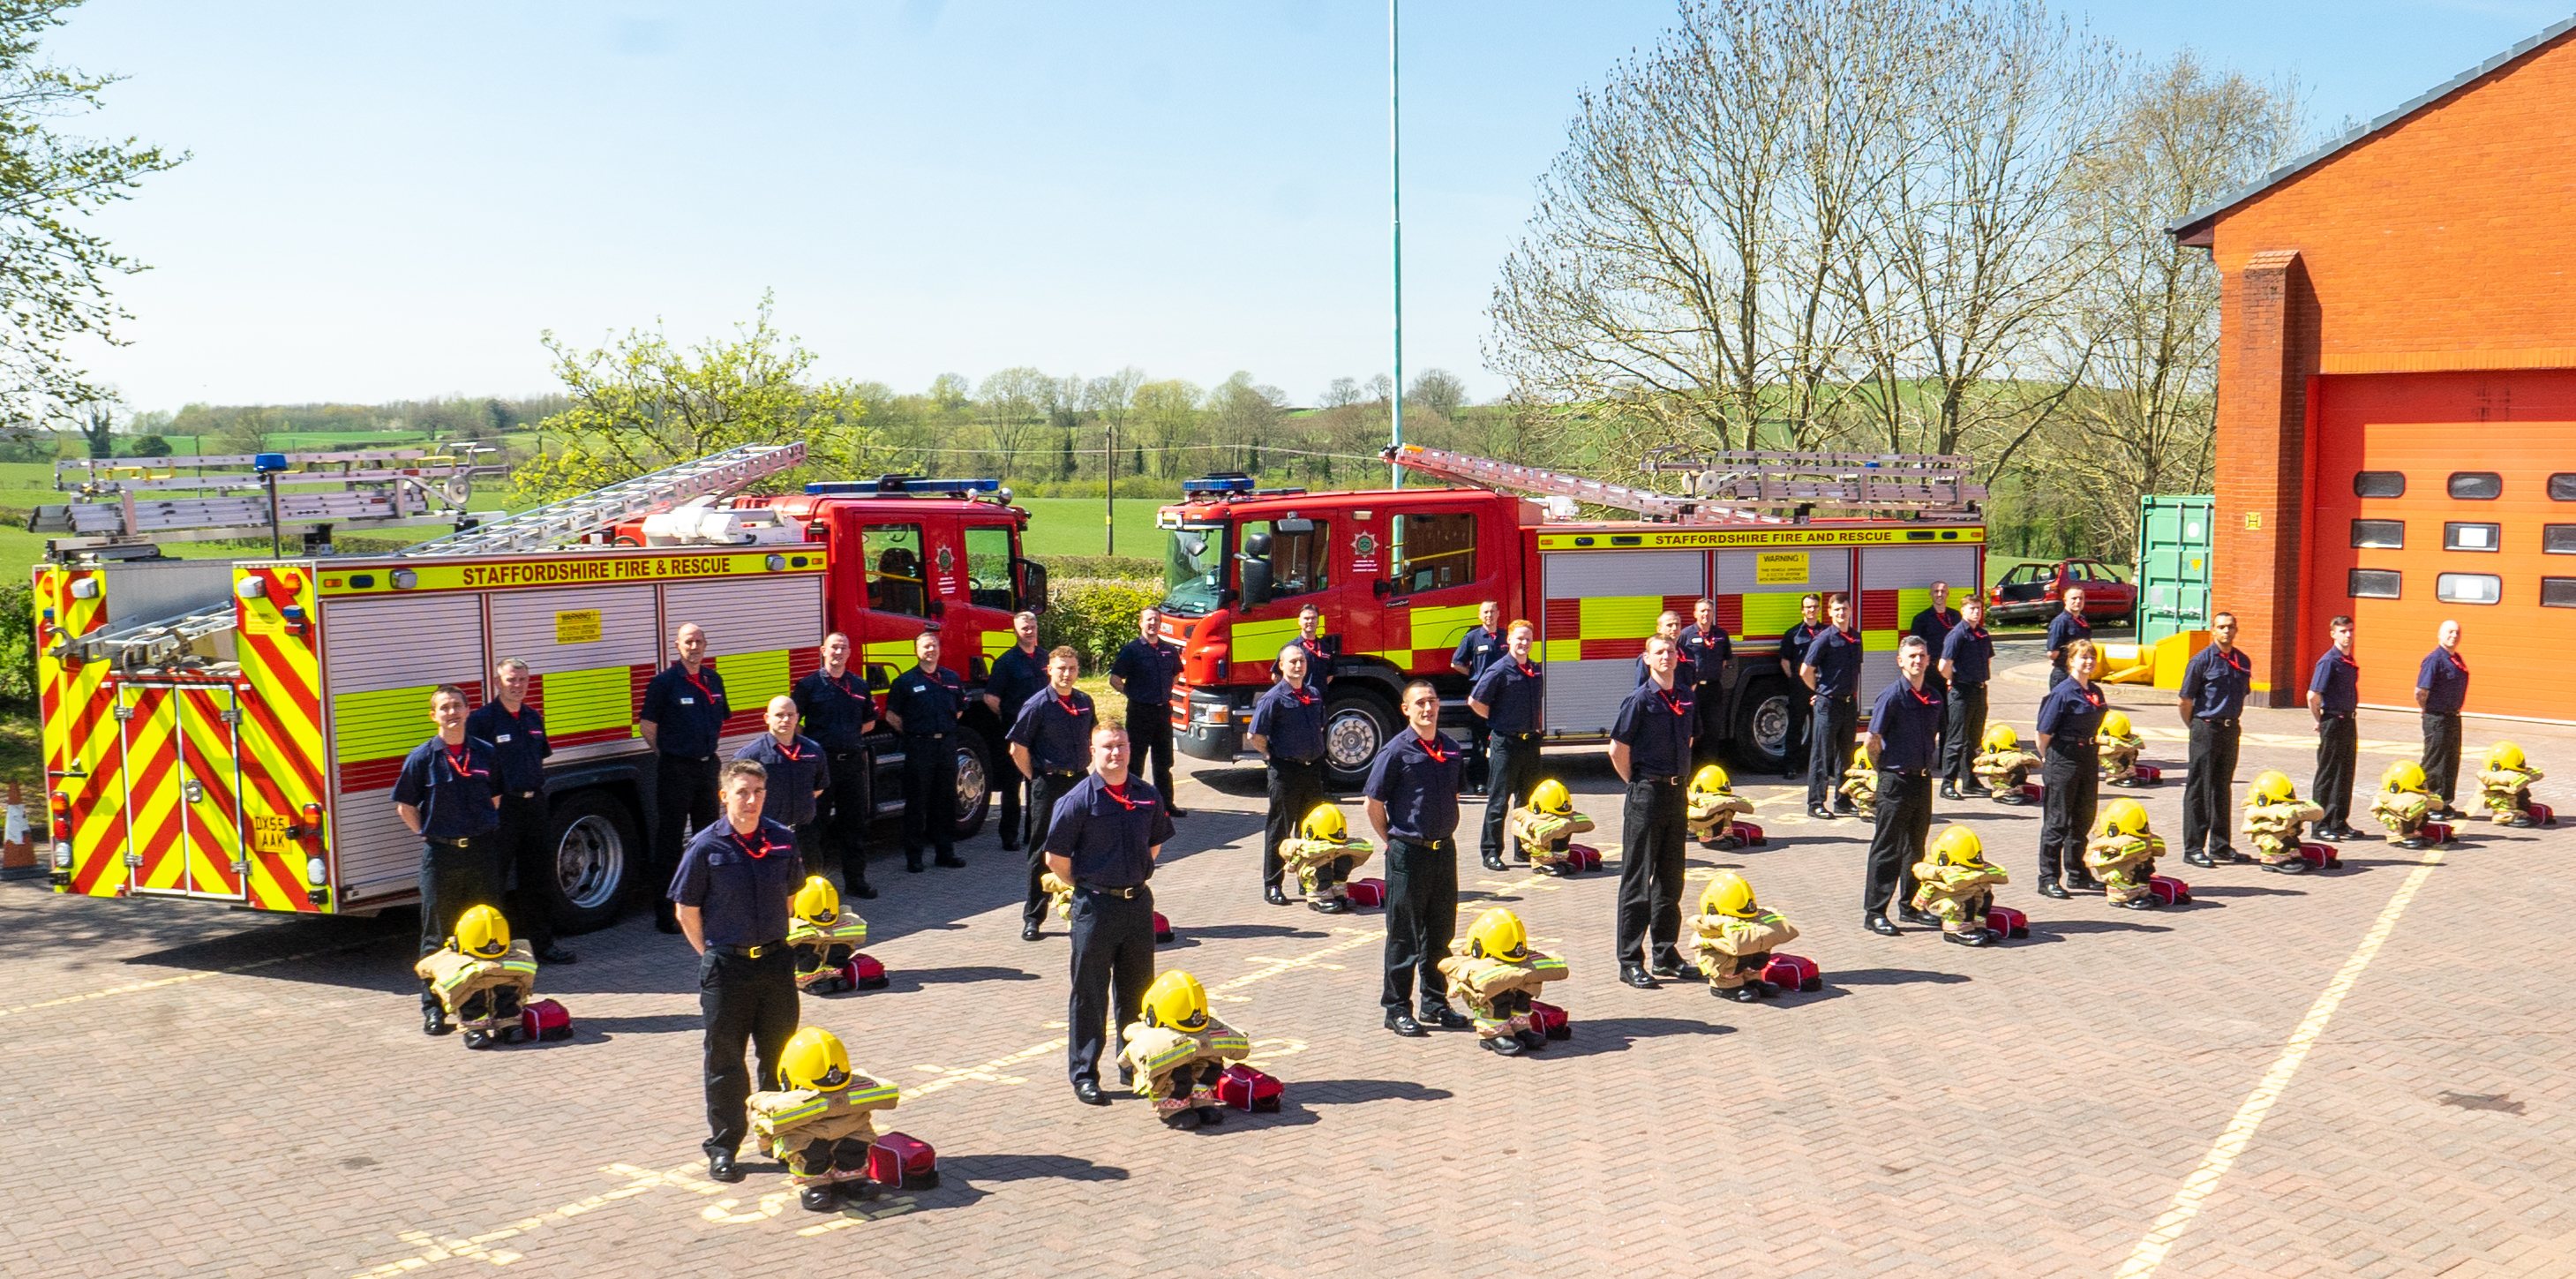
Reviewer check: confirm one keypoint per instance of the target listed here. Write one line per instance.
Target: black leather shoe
(1637, 976)
(1444, 1018)
(1744, 994)
(912, 864)
(1328, 905)
(1403, 1024)
(1878, 923)
(2083, 884)
(2411, 842)
(554, 954)
(1846, 809)
(1186, 1120)
(1950, 791)
(1504, 1045)
(2295, 866)
(1175, 810)
(720, 1166)
(1087, 1091)
(950, 860)
(1977, 790)
(1029, 932)
(1010, 845)
(478, 1040)
(1799, 775)
(817, 1199)
(433, 1020)
(2199, 859)
(1494, 861)
(1925, 918)
(1274, 895)
(1972, 937)
(1820, 812)
(1210, 1115)
(1671, 967)
(1530, 1039)
(2225, 856)
(861, 891)
(2053, 890)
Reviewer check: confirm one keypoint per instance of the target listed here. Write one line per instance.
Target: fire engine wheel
(598, 854)
(974, 783)
(1762, 726)
(1356, 725)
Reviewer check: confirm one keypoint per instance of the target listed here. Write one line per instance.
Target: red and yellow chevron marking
(281, 732)
(151, 769)
(80, 731)
(207, 756)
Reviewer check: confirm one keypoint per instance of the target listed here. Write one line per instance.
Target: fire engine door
(182, 770)
(1435, 580)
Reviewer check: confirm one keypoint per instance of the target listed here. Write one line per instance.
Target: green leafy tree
(53, 273)
(152, 446)
(640, 404)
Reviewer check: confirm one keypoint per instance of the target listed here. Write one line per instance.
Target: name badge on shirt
(688, 701)
(502, 738)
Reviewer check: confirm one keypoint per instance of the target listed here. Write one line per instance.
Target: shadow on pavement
(1025, 1168)
(1237, 932)
(899, 980)
(2199, 891)
(1617, 1034)
(601, 1029)
(2050, 931)
(1353, 1092)
(1894, 977)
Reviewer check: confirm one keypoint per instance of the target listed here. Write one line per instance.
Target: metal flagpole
(1395, 187)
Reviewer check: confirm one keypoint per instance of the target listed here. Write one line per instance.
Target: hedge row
(1094, 615)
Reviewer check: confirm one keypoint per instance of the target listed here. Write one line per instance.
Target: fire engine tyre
(599, 854)
(1761, 735)
(974, 782)
(1356, 725)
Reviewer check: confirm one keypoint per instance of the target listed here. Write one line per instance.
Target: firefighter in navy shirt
(2334, 697)
(1412, 797)
(839, 709)
(1016, 676)
(923, 706)
(1933, 626)
(1319, 650)
(2064, 629)
(2441, 689)
(1050, 747)
(1904, 737)
(1650, 747)
(2070, 721)
(1832, 669)
(1793, 654)
(732, 896)
(683, 716)
(517, 732)
(2212, 699)
(1708, 650)
(1478, 650)
(1512, 696)
(1967, 663)
(1288, 729)
(445, 796)
(1143, 671)
(797, 775)
(1668, 627)
(1103, 838)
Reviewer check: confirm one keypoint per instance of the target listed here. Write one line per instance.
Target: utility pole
(1109, 494)
(1395, 188)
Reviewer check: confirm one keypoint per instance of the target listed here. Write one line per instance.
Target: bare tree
(1437, 390)
(1246, 415)
(1168, 414)
(1013, 404)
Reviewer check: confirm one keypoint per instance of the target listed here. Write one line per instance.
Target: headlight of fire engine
(776, 563)
(316, 871)
(62, 854)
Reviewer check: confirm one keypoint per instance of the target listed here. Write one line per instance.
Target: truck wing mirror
(880, 677)
(1031, 586)
(1256, 583)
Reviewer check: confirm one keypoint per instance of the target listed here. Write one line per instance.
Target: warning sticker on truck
(1781, 566)
(578, 626)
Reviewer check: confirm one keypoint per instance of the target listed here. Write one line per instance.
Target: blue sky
(389, 202)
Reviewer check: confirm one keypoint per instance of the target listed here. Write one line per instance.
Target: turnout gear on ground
(1712, 807)
(1733, 934)
(1177, 1051)
(2122, 852)
(1323, 855)
(818, 1125)
(2402, 804)
(1495, 972)
(2120, 745)
(1955, 882)
(2003, 765)
(823, 936)
(483, 992)
(1542, 828)
(1860, 782)
(2274, 818)
(2504, 785)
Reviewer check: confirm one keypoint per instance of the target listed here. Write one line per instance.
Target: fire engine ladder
(245, 494)
(1731, 488)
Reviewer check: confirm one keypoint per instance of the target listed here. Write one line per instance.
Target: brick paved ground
(226, 1094)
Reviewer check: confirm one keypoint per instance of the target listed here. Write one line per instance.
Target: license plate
(268, 834)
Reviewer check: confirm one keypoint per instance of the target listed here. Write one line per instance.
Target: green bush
(1121, 567)
(18, 644)
(1094, 615)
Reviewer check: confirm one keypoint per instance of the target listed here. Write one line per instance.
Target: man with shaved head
(684, 713)
(797, 774)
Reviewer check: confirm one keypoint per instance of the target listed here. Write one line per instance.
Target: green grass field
(1079, 526)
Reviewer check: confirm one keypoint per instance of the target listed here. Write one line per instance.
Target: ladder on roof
(245, 494)
(1732, 488)
(558, 522)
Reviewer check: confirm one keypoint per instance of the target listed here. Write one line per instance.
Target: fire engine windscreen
(1194, 569)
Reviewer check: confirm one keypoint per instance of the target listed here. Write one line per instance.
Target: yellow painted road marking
(1273, 967)
(989, 1072)
(2231, 1143)
(173, 981)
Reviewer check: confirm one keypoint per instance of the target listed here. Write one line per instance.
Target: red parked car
(2030, 593)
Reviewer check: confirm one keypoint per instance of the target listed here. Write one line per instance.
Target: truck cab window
(1194, 569)
(988, 567)
(895, 577)
(1299, 551)
(1434, 550)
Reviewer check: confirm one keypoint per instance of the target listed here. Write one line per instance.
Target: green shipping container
(2175, 534)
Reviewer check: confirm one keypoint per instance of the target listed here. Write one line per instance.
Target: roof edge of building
(2190, 224)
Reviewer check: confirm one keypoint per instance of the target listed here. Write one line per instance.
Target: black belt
(461, 841)
(1434, 844)
(1060, 772)
(1301, 763)
(845, 754)
(1967, 683)
(523, 794)
(2229, 721)
(1907, 772)
(1660, 780)
(1105, 890)
(1520, 737)
(925, 737)
(747, 952)
(688, 759)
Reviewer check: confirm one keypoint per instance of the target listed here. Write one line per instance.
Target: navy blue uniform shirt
(1707, 651)
(1515, 693)
(1935, 625)
(1793, 646)
(740, 882)
(2337, 683)
(1317, 658)
(1908, 720)
(1291, 719)
(1971, 652)
(1147, 668)
(1836, 656)
(1417, 780)
(688, 711)
(1685, 672)
(1109, 834)
(796, 771)
(2216, 683)
(519, 746)
(2065, 629)
(1016, 677)
(1057, 731)
(2072, 712)
(838, 711)
(452, 788)
(927, 701)
(2445, 681)
(1656, 725)
(1480, 649)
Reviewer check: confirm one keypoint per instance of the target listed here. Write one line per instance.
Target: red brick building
(2397, 391)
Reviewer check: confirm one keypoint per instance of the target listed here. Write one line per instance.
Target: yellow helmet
(1324, 822)
(2504, 755)
(1176, 1001)
(2274, 788)
(1550, 797)
(482, 933)
(1710, 780)
(818, 903)
(1498, 934)
(2115, 724)
(2001, 738)
(1959, 846)
(815, 1059)
(2404, 775)
(1727, 894)
(2122, 817)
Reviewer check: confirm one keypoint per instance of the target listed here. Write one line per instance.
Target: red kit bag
(2007, 922)
(900, 1161)
(544, 1020)
(1247, 1089)
(1793, 972)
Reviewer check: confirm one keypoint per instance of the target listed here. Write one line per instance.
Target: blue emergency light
(890, 485)
(1222, 482)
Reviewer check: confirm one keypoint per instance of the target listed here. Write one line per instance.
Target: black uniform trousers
(1903, 831)
(1830, 747)
(1653, 824)
(1515, 772)
(684, 799)
(523, 848)
(1708, 739)
(1793, 746)
(1960, 736)
(2071, 781)
(456, 875)
(853, 800)
(1044, 790)
(2338, 750)
(2211, 788)
(2441, 755)
(1296, 787)
(1480, 769)
(1113, 963)
(929, 796)
(746, 1002)
(1932, 681)
(1421, 920)
(1149, 743)
(1012, 787)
